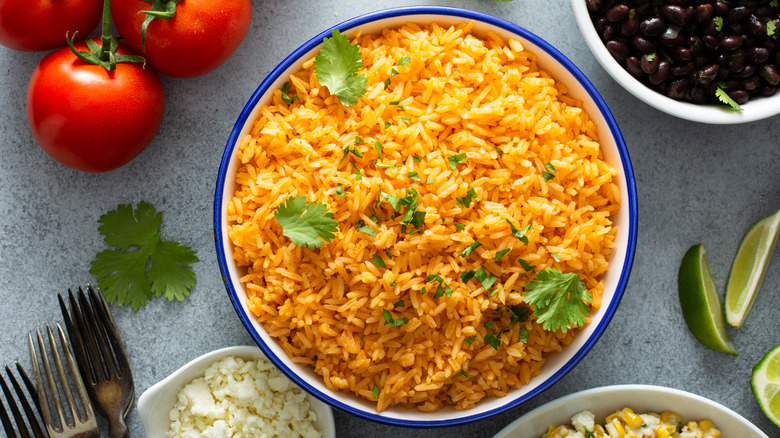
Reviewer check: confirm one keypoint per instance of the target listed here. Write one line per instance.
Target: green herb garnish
(520, 234)
(306, 224)
(493, 341)
(559, 299)
(375, 390)
(486, 279)
(459, 227)
(414, 176)
(454, 160)
(718, 23)
(771, 27)
(286, 94)
(341, 190)
(379, 148)
(337, 67)
(363, 228)
(404, 61)
(395, 322)
(724, 97)
(466, 200)
(470, 340)
(399, 303)
(463, 373)
(525, 265)
(523, 335)
(141, 264)
(377, 261)
(502, 253)
(466, 252)
(549, 173)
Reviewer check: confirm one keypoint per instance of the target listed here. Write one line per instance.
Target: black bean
(731, 42)
(755, 26)
(720, 8)
(642, 44)
(674, 14)
(652, 27)
(609, 32)
(769, 73)
(703, 12)
(707, 75)
(634, 67)
(699, 95)
(617, 13)
(757, 55)
(600, 24)
(746, 72)
(710, 42)
(768, 90)
(763, 11)
(737, 61)
(618, 49)
(678, 88)
(682, 70)
(737, 28)
(681, 54)
(751, 84)
(649, 63)
(662, 73)
(629, 27)
(738, 14)
(739, 96)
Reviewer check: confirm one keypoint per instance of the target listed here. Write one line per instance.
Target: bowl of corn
(631, 410)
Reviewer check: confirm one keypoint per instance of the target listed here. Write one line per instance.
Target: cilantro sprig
(306, 224)
(724, 97)
(559, 299)
(141, 265)
(337, 67)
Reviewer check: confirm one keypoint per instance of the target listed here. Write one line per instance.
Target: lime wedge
(766, 384)
(699, 301)
(747, 271)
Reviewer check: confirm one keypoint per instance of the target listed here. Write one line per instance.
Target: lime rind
(749, 268)
(765, 383)
(700, 304)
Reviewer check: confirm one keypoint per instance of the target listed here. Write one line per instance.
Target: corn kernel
(631, 419)
(670, 418)
(617, 427)
(706, 424)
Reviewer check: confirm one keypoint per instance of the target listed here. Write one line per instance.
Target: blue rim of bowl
(468, 15)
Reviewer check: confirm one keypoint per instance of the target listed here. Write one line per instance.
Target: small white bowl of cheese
(232, 392)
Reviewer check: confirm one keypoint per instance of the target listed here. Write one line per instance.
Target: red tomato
(37, 25)
(199, 38)
(91, 119)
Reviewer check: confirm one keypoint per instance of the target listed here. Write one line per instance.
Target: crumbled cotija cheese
(237, 398)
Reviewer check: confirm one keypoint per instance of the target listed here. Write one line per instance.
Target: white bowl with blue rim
(754, 109)
(605, 400)
(614, 151)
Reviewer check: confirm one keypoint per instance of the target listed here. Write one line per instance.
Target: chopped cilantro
(286, 94)
(463, 373)
(499, 151)
(549, 173)
(416, 159)
(406, 120)
(358, 140)
(555, 256)
(389, 255)
(362, 228)
(502, 253)
(375, 390)
(418, 219)
(306, 224)
(459, 227)
(489, 325)
(485, 278)
(493, 341)
(411, 202)
(351, 150)
(520, 234)
(423, 291)
(392, 284)
(394, 201)
(650, 57)
(454, 160)
(378, 164)
(773, 3)
(470, 340)
(395, 322)
(466, 252)
(771, 27)
(337, 67)
(341, 190)
(386, 83)
(493, 292)
(377, 261)
(466, 200)
(387, 124)
(465, 276)
(404, 61)
(517, 314)
(449, 397)
(358, 175)
(379, 148)
(718, 23)
(559, 299)
(141, 264)
(523, 335)
(525, 265)
(393, 72)
(399, 303)
(414, 176)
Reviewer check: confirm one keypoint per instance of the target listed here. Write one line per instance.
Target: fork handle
(118, 429)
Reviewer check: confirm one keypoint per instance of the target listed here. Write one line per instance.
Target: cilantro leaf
(453, 160)
(466, 252)
(718, 23)
(404, 61)
(376, 259)
(337, 67)
(520, 234)
(559, 299)
(395, 322)
(527, 266)
(493, 341)
(523, 335)
(141, 265)
(722, 96)
(470, 340)
(502, 253)
(466, 200)
(771, 27)
(549, 173)
(363, 228)
(486, 279)
(375, 390)
(306, 224)
(286, 94)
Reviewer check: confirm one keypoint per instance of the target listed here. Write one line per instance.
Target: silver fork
(32, 427)
(79, 420)
(101, 357)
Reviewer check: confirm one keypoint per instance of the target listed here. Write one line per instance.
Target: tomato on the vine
(89, 118)
(198, 37)
(42, 25)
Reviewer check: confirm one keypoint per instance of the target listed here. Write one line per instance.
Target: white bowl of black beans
(688, 58)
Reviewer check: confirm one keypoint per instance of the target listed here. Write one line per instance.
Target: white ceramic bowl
(755, 109)
(157, 401)
(614, 151)
(641, 398)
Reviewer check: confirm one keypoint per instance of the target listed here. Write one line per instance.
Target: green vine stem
(104, 54)
(164, 9)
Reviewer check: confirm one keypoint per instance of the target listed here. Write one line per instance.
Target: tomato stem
(105, 54)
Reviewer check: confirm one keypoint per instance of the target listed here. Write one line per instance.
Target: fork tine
(107, 327)
(98, 336)
(91, 369)
(28, 410)
(46, 411)
(71, 401)
(29, 385)
(14, 409)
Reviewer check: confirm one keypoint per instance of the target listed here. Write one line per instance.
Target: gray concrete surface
(696, 183)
